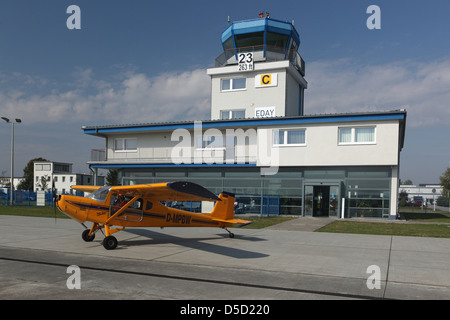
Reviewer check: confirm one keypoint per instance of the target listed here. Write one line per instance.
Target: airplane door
(133, 213)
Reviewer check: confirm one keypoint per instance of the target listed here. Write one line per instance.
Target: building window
(42, 167)
(232, 114)
(234, 84)
(255, 39)
(61, 167)
(125, 144)
(356, 135)
(295, 137)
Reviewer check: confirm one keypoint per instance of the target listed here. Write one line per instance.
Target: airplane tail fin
(223, 211)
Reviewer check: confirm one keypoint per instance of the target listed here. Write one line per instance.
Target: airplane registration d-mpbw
(140, 206)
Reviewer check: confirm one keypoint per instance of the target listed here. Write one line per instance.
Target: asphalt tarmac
(44, 259)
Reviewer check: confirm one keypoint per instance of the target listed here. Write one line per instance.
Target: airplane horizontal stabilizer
(235, 221)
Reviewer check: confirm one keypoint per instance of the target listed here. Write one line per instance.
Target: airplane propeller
(54, 198)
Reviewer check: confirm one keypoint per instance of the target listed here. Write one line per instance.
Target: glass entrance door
(321, 200)
(309, 193)
(334, 201)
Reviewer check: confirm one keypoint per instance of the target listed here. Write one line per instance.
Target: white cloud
(134, 98)
(339, 86)
(422, 88)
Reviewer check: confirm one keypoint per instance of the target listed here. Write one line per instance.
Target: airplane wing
(86, 188)
(168, 191)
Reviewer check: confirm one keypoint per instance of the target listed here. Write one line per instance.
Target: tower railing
(262, 53)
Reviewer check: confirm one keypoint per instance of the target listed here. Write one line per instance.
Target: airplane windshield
(100, 194)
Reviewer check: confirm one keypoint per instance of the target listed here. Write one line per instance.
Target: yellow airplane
(140, 206)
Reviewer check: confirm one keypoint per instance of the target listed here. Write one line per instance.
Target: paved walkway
(204, 263)
(302, 224)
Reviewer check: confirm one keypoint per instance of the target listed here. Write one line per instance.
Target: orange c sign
(266, 79)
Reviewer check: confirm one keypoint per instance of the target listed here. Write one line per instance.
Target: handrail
(164, 154)
(268, 53)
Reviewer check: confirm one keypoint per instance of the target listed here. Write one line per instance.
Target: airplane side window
(148, 206)
(138, 204)
(118, 200)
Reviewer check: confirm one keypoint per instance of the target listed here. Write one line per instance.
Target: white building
(61, 174)
(259, 144)
(423, 190)
(6, 181)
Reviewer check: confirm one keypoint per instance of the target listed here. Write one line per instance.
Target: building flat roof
(247, 122)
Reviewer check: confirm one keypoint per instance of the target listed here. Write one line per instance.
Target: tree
(28, 175)
(407, 182)
(445, 182)
(44, 183)
(403, 197)
(112, 178)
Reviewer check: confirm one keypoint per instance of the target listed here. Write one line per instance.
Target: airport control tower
(260, 73)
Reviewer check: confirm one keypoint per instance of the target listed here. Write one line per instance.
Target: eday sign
(265, 112)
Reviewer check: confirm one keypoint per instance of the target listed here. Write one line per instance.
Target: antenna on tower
(229, 20)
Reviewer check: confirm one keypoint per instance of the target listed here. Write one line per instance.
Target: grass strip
(389, 228)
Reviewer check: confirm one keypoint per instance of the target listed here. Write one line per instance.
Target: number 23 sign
(245, 61)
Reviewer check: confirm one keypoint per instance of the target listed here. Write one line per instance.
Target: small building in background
(422, 193)
(60, 173)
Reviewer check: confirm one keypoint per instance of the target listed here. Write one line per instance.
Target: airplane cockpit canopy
(100, 194)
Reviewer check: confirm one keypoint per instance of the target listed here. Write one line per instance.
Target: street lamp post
(12, 156)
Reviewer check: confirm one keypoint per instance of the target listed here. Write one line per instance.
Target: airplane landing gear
(86, 237)
(230, 234)
(110, 243)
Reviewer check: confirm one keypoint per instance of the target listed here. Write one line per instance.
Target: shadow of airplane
(193, 243)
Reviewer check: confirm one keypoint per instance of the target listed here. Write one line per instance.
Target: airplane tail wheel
(110, 243)
(86, 237)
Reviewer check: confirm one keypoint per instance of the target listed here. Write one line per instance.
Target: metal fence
(26, 198)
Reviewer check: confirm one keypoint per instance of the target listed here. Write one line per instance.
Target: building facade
(59, 174)
(260, 73)
(259, 144)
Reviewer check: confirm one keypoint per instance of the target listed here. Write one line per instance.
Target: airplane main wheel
(86, 237)
(231, 235)
(110, 243)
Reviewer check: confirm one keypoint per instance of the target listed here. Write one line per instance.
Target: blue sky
(127, 61)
